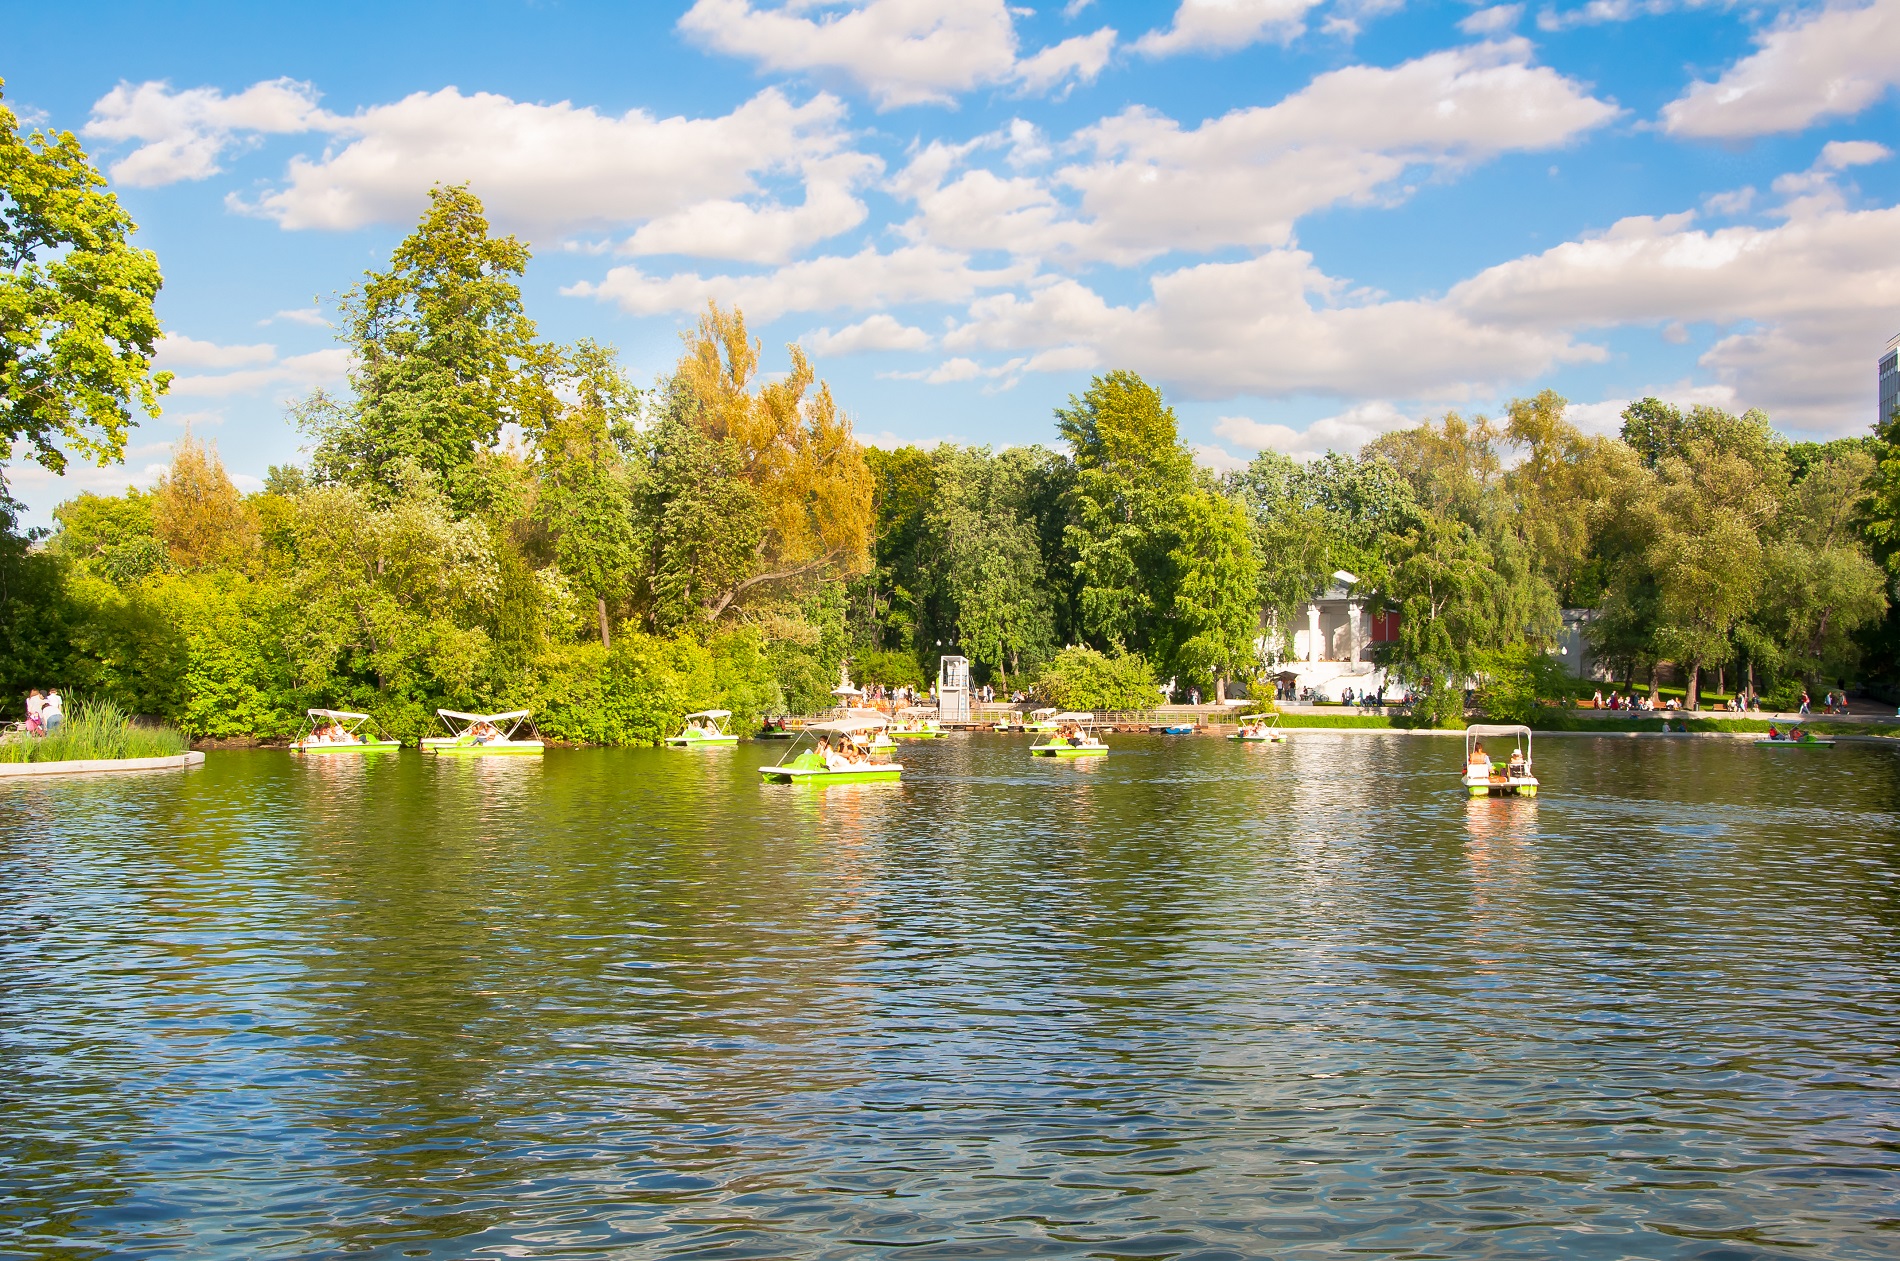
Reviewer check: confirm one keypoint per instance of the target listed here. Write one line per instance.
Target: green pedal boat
(840, 752)
(917, 723)
(1260, 729)
(340, 731)
(1074, 736)
(705, 729)
(485, 735)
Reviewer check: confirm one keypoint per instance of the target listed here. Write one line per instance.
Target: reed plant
(94, 731)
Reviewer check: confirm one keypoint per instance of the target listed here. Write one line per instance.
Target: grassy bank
(95, 731)
(1370, 722)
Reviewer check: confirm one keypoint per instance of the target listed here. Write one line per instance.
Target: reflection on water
(1198, 999)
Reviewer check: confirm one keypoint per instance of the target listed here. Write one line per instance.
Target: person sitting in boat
(1774, 732)
(1479, 758)
(1517, 767)
(483, 732)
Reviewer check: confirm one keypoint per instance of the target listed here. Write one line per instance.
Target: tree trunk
(606, 640)
(1692, 699)
(1721, 678)
(1751, 678)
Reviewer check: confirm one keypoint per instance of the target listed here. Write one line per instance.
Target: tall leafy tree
(987, 563)
(793, 449)
(77, 326)
(1130, 473)
(586, 492)
(444, 355)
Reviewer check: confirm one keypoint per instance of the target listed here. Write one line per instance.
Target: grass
(95, 731)
(1377, 722)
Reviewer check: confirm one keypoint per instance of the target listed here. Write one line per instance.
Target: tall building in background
(1889, 379)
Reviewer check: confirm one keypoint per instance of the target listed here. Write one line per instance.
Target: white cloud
(867, 280)
(879, 332)
(1495, 20)
(1272, 326)
(1809, 298)
(176, 352)
(310, 315)
(1827, 63)
(1346, 432)
(186, 133)
(773, 233)
(554, 166)
(1220, 460)
(901, 52)
(257, 368)
(1149, 186)
(1223, 25)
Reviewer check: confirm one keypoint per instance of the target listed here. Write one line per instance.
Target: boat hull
(818, 777)
(1487, 787)
(494, 748)
(368, 746)
(1259, 739)
(688, 742)
(1794, 744)
(1043, 750)
(917, 735)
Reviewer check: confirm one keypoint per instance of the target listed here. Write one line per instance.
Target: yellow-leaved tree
(791, 445)
(198, 513)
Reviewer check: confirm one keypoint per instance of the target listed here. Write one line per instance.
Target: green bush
(95, 731)
(1083, 679)
(891, 668)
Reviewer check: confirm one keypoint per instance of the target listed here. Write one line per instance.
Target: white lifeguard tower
(953, 690)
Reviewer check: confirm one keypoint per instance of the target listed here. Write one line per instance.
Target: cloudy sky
(1309, 220)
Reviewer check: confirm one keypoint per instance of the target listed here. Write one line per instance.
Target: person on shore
(34, 704)
(1806, 702)
(52, 711)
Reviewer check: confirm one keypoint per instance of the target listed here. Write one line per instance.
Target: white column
(1353, 610)
(1312, 634)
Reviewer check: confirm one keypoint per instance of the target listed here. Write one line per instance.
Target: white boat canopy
(334, 713)
(710, 713)
(1041, 713)
(849, 726)
(455, 713)
(1479, 731)
(1072, 716)
(918, 711)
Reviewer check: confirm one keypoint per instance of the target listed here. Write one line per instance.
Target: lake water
(1197, 1000)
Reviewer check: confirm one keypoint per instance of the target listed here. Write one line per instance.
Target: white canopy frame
(514, 718)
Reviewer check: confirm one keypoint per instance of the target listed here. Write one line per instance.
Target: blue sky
(1308, 221)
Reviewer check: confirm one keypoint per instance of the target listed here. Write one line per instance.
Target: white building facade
(1333, 647)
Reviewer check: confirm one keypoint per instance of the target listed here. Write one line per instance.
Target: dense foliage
(491, 520)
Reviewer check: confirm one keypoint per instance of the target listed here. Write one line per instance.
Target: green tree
(586, 492)
(1448, 593)
(1082, 679)
(1215, 614)
(986, 562)
(77, 328)
(1130, 475)
(444, 355)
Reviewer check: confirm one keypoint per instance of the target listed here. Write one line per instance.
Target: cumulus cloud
(1147, 185)
(1807, 298)
(1833, 62)
(868, 280)
(176, 353)
(1495, 20)
(1224, 25)
(548, 166)
(771, 233)
(879, 332)
(1272, 326)
(186, 133)
(225, 371)
(1346, 432)
(900, 52)
(310, 315)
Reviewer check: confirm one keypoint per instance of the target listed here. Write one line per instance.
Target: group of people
(1074, 735)
(44, 711)
(1516, 767)
(333, 732)
(848, 755)
(1793, 733)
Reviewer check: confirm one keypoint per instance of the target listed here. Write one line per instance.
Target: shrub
(1083, 679)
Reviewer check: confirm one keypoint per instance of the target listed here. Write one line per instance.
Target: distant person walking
(1806, 703)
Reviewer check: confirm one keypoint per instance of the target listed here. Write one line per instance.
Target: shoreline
(99, 766)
